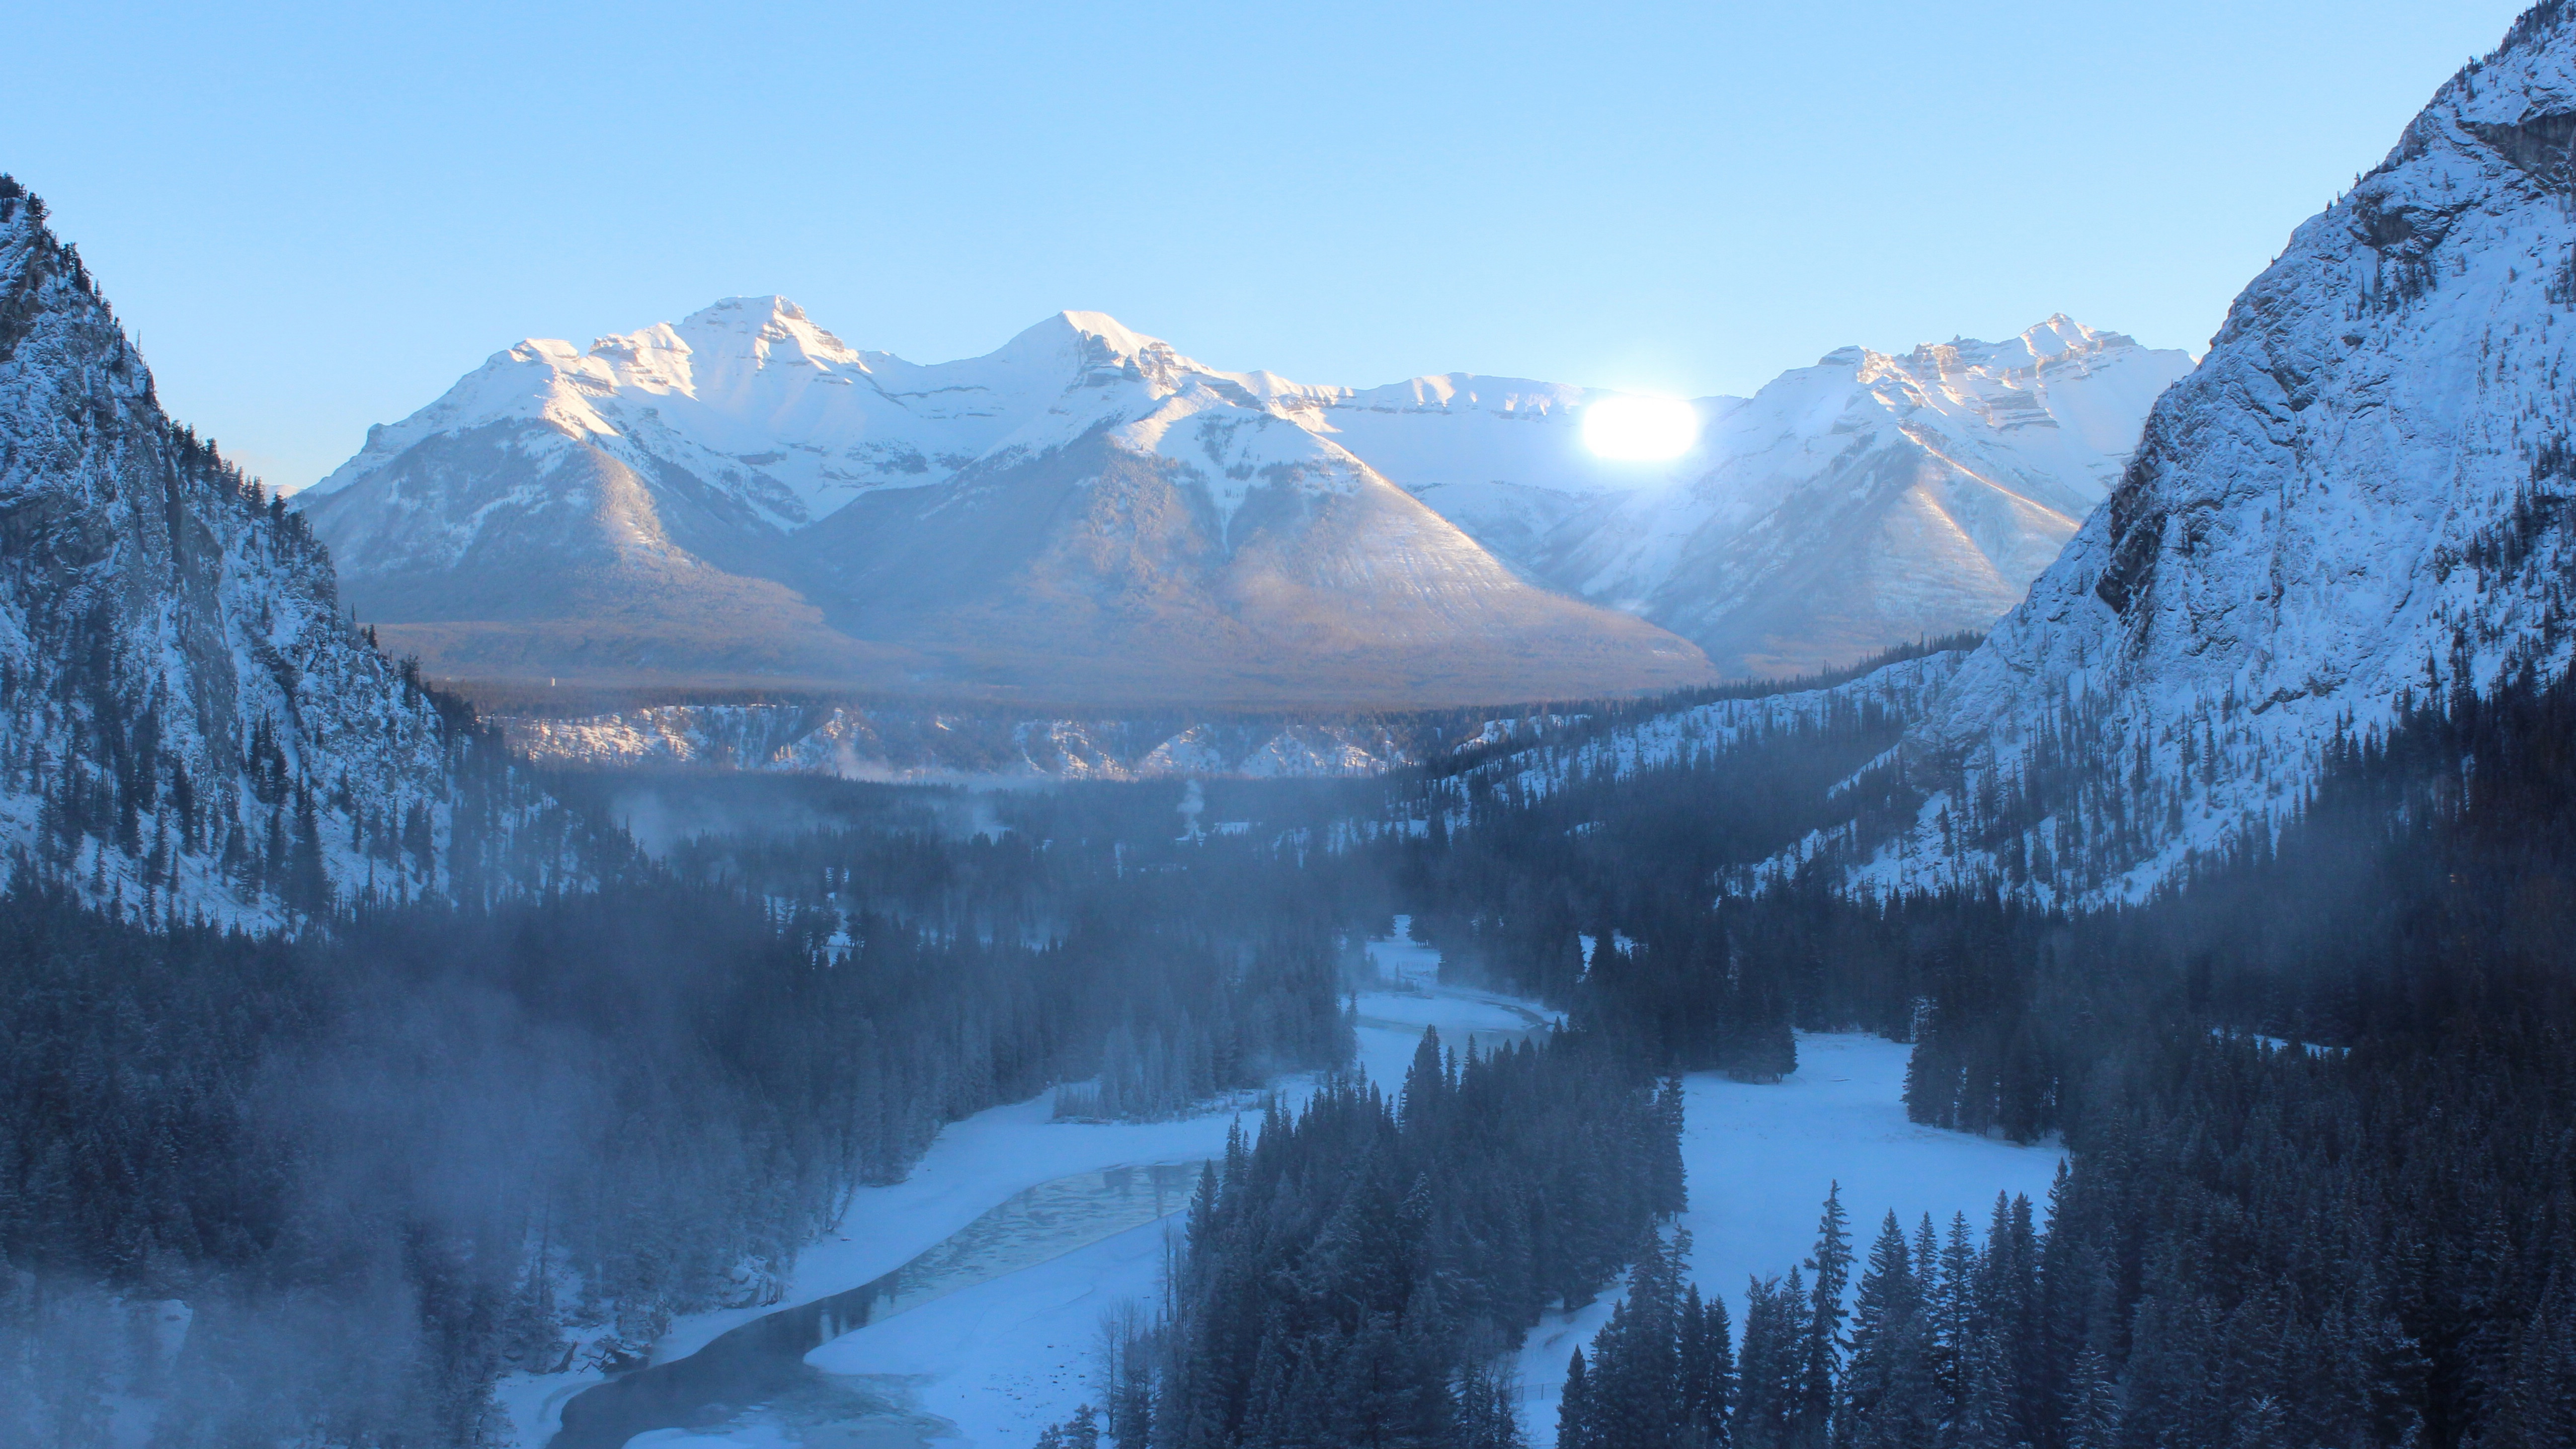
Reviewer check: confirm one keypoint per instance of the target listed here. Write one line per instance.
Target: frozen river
(759, 1367)
(1019, 1232)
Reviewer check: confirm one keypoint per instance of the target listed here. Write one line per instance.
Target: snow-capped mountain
(783, 423)
(2365, 491)
(187, 724)
(1088, 514)
(1083, 514)
(1864, 501)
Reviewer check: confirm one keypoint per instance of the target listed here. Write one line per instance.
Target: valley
(723, 887)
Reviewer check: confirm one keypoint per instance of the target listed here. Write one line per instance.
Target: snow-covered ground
(990, 1364)
(975, 1165)
(1004, 1359)
(1392, 1021)
(1760, 1160)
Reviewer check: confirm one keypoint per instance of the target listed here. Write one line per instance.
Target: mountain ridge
(1083, 512)
(2363, 497)
(743, 497)
(188, 727)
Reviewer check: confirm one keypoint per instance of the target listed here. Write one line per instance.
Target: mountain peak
(1108, 330)
(761, 329)
(2058, 338)
(746, 314)
(2330, 517)
(1094, 336)
(782, 428)
(2059, 333)
(1091, 349)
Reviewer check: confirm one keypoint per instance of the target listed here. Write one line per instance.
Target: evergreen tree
(1821, 1354)
(1883, 1391)
(1707, 1363)
(1486, 1418)
(1770, 1368)
(2093, 1403)
(1574, 1422)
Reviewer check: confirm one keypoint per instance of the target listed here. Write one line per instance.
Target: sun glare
(1640, 429)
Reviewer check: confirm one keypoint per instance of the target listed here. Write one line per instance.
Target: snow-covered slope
(1862, 502)
(893, 744)
(187, 725)
(1542, 755)
(1901, 691)
(2366, 489)
(1084, 514)
(1087, 514)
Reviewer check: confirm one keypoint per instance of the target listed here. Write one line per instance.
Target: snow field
(1004, 1359)
(1759, 1161)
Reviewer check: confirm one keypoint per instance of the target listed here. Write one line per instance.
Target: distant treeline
(1632, 864)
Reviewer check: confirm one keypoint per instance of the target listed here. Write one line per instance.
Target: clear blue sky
(317, 217)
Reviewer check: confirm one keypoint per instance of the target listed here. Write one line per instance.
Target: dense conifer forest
(383, 1163)
(1352, 1271)
(2319, 1095)
(2321, 1185)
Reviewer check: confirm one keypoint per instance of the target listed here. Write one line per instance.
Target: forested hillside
(384, 1163)
(188, 724)
(2322, 1191)
(669, 1083)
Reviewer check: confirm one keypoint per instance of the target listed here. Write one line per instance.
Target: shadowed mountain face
(176, 686)
(1088, 515)
(1096, 569)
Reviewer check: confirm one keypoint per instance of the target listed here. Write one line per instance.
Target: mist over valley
(719, 887)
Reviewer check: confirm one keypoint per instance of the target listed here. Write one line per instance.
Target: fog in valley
(722, 887)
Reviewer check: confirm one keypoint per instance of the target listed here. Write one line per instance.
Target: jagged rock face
(1083, 515)
(1866, 501)
(185, 722)
(1087, 514)
(2362, 493)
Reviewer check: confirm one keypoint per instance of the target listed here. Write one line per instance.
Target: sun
(1640, 429)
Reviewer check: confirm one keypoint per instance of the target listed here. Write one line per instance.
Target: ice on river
(975, 1166)
(1003, 1359)
(991, 1362)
